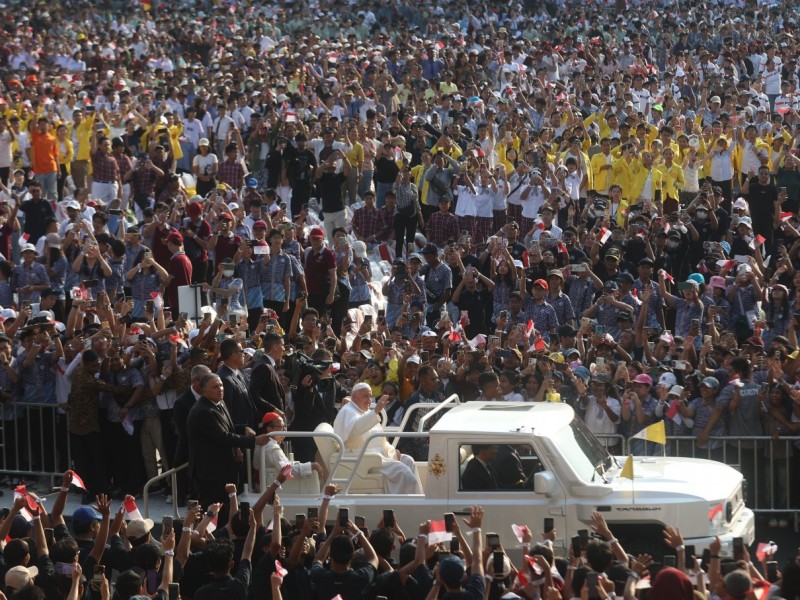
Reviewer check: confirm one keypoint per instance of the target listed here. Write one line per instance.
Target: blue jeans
(380, 193)
(49, 183)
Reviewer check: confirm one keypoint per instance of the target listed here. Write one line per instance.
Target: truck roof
(504, 417)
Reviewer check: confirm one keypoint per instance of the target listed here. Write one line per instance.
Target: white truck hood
(657, 476)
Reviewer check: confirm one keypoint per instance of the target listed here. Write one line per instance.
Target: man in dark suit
(215, 445)
(265, 385)
(180, 414)
(509, 470)
(243, 409)
(479, 474)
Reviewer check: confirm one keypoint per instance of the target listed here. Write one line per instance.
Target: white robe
(276, 459)
(399, 471)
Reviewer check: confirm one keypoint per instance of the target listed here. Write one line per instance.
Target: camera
(299, 365)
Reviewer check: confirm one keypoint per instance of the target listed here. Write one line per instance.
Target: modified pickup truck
(567, 474)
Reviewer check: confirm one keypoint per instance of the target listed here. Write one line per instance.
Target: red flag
(715, 511)
(562, 248)
(672, 410)
(454, 335)
(438, 533)
(131, 510)
(21, 492)
(440, 45)
(77, 481)
(526, 259)
(280, 570)
(539, 344)
(668, 276)
(23, 239)
(635, 292)
(786, 216)
(604, 235)
(760, 239)
(529, 329)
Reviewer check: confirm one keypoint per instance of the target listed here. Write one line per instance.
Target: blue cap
(726, 247)
(711, 382)
(698, 278)
(86, 515)
(251, 182)
(581, 372)
(451, 570)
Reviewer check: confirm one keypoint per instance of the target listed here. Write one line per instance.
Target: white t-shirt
(6, 156)
(597, 419)
(205, 163)
(466, 205)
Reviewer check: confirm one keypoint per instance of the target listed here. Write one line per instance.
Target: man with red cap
(320, 267)
(196, 233)
(180, 269)
(273, 422)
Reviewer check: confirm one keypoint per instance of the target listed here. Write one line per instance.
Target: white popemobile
(568, 475)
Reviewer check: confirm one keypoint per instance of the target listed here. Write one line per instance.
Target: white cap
(361, 386)
(413, 359)
(360, 249)
(28, 247)
(203, 142)
(667, 380)
(676, 390)
(740, 203)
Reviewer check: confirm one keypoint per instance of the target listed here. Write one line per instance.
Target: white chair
(297, 485)
(368, 478)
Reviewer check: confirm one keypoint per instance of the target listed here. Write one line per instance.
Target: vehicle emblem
(437, 466)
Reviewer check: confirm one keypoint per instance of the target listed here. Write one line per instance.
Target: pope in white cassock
(356, 421)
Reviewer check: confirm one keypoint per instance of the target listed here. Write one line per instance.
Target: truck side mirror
(545, 483)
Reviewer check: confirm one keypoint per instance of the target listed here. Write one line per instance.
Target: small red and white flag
(286, 472)
(604, 235)
(668, 276)
(454, 335)
(562, 248)
(766, 549)
(437, 533)
(519, 531)
(158, 301)
(539, 345)
(786, 216)
(23, 239)
(539, 224)
(21, 492)
(77, 481)
(673, 413)
(280, 570)
(212, 525)
(131, 510)
(529, 329)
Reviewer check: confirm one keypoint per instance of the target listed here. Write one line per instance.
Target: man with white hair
(356, 421)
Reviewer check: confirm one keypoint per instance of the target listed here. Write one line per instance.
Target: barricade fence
(34, 439)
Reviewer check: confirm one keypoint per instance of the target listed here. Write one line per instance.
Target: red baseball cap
(316, 232)
(541, 283)
(260, 224)
(194, 209)
(224, 217)
(175, 238)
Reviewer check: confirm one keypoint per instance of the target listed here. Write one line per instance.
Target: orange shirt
(44, 153)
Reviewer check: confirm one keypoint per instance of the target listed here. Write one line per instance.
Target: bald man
(356, 421)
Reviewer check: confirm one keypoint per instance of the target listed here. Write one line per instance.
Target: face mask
(228, 273)
(673, 245)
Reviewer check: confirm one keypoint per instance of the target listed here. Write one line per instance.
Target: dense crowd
(322, 555)
(537, 202)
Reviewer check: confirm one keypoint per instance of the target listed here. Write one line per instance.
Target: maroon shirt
(180, 268)
(226, 248)
(318, 268)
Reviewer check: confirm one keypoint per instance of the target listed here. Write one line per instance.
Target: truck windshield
(584, 452)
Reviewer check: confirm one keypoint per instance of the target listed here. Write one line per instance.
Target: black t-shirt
(229, 587)
(762, 205)
(349, 585)
(330, 191)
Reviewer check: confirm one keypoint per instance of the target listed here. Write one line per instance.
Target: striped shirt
(273, 276)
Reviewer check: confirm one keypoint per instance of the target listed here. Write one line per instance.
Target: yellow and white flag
(653, 433)
(627, 468)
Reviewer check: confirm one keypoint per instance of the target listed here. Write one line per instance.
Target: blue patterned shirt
(24, 276)
(684, 313)
(563, 307)
(273, 276)
(358, 283)
(143, 284)
(543, 316)
(656, 302)
(249, 272)
(438, 279)
(581, 292)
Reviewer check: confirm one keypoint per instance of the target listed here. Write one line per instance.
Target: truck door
(500, 477)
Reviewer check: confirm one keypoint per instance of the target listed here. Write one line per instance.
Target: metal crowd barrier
(34, 440)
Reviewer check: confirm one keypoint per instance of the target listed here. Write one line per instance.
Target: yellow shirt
(422, 184)
(672, 178)
(84, 134)
(355, 155)
(601, 177)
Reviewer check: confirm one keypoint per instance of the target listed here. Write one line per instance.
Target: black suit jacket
(266, 389)
(213, 440)
(477, 477)
(180, 414)
(237, 398)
